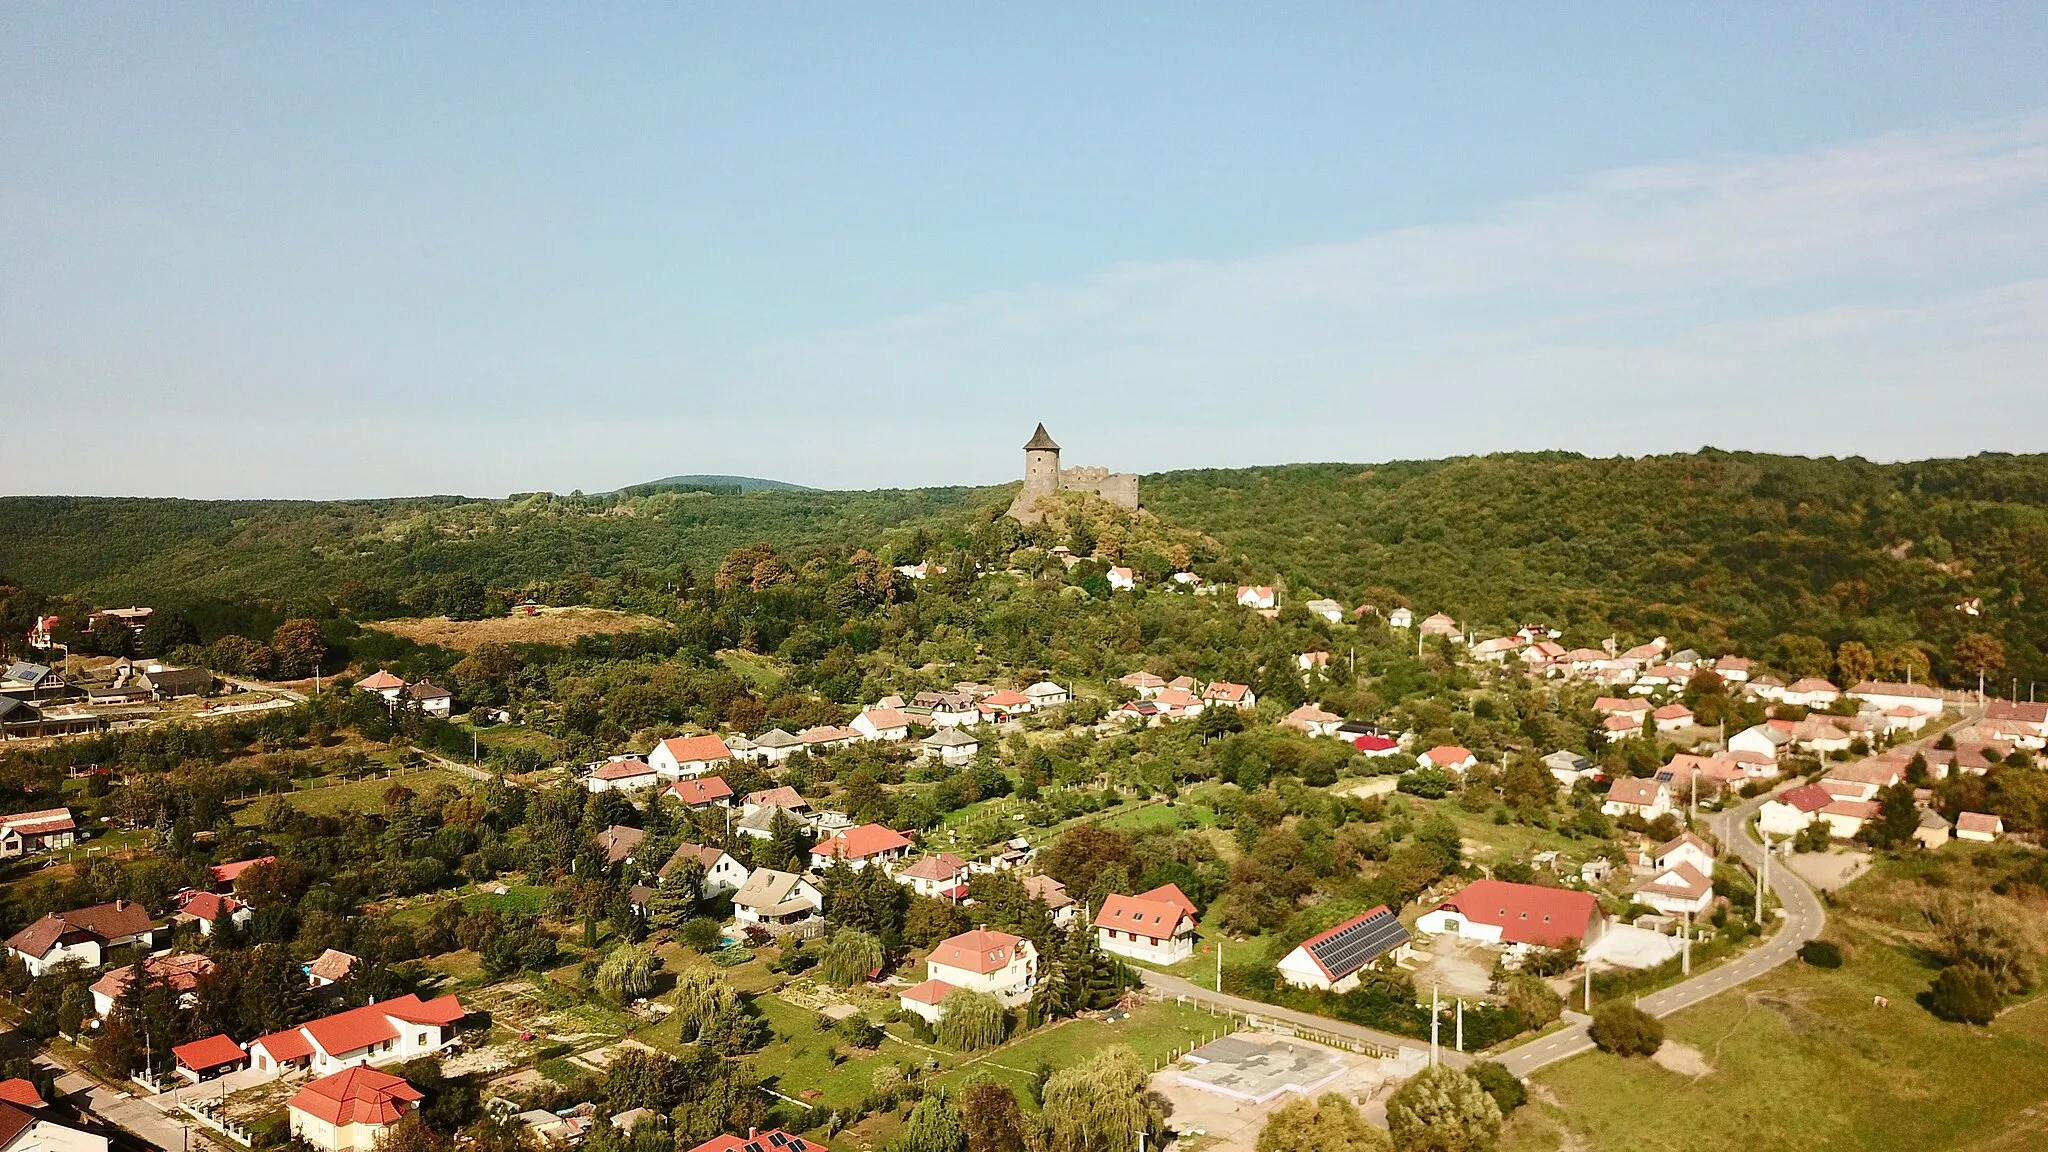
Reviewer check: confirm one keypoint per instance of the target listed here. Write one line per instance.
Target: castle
(1043, 474)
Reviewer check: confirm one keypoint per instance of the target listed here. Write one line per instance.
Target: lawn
(1804, 1059)
(1158, 1032)
(1502, 842)
(763, 672)
(1163, 816)
(365, 795)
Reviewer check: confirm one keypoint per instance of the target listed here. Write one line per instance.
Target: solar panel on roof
(1361, 943)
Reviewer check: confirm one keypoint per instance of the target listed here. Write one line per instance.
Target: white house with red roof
(1685, 848)
(1006, 704)
(1258, 596)
(994, 963)
(1648, 798)
(1451, 758)
(351, 1110)
(621, 774)
(1332, 959)
(1517, 916)
(1677, 889)
(1789, 812)
(689, 756)
(1145, 684)
(878, 723)
(41, 830)
(1496, 650)
(2020, 714)
(1922, 698)
(1157, 926)
(382, 1033)
(225, 875)
(1224, 694)
(941, 875)
(1810, 692)
(1982, 827)
(1672, 717)
(1761, 739)
(1312, 720)
(384, 684)
(1441, 624)
(774, 1140)
(210, 909)
(702, 792)
(860, 846)
(1121, 579)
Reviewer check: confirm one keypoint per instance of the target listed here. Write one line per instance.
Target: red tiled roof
(1448, 755)
(697, 749)
(1633, 792)
(942, 866)
(1170, 894)
(40, 823)
(1979, 822)
(1006, 699)
(1158, 919)
(209, 906)
(774, 1140)
(886, 718)
(290, 1044)
(862, 842)
(1672, 712)
(929, 992)
(1370, 743)
(981, 951)
(1225, 691)
(359, 1028)
(1807, 798)
(227, 873)
(212, 1052)
(1527, 913)
(22, 1092)
(782, 797)
(702, 790)
(357, 1096)
(380, 681)
(621, 769)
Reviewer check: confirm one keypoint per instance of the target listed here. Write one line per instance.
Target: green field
(1155, 816)
(366, 795)
(1158, 1032)
(1803, 1059)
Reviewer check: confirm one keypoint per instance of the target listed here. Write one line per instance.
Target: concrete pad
(1255, 1071)
(1626, 946)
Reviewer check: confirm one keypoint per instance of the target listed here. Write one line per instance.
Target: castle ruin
(1043, 474)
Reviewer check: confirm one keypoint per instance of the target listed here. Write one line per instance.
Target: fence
(207, 1113)
(1292, 1028)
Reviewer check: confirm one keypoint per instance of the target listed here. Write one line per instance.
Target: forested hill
(1704, 546)
(137, 549)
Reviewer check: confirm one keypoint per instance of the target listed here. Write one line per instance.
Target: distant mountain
(716, 483)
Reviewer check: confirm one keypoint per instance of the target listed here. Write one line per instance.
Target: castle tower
(1041, 464)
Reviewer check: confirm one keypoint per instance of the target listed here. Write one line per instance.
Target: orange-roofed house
(210, 909)
(878, 723)
(1224, 694)
(1980, 826)
(205, 1059)
(689, 756)
(1311, 720)
(226, 874)
(1157, 926)
(1260, 597)
(861, 846)
(1005, 705)
(997, 963)
(37, 831)
(1519, 916)
(1449, 757)
(24, 1092)
(351, 1110)
(621, 774)
(774, 1140)
(941, 875)
(382, 1033)
(384, 684)
(702, 792)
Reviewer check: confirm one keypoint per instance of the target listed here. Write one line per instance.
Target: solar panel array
(1360, 944)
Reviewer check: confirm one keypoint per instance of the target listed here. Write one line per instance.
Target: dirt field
(546, 626)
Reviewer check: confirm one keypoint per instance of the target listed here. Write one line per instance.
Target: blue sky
(360, 250)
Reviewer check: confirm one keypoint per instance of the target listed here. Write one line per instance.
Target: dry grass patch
(547, 626)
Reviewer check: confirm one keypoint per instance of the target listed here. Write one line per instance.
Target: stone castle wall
(1043, 474)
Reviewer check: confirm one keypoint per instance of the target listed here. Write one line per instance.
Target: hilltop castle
(1043, 474)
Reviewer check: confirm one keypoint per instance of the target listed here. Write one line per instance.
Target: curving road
(1804, 919)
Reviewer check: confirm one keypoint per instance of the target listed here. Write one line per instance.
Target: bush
(1821, 954)
(1501, 1084)
(1963, 993)
(1626, 1030)
(861, 1032)
(701, 934)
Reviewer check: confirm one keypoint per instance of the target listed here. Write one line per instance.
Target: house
(1174, 704)
(38, 831)
(688, 756)
(1053, 895)
(1979, 826)
(940, 875)
(1332, 959)
(351, 1110)
(83, 935)
(1686, 848)
(621, 774)
(1156, 926)
(1568, 768)
(42, 635)
(1223, 694)
(1312, 720)
(29, 681)
(1630, 796)
(26, 1130)
(618, 843)
(1375, 745)
(225, 875)
(776, 901)
(1904, 719)
(1440, 624)
(1449, 757)
(1672, 717)
(1678, 889)
(431, 699)
(205, 1059)
(954, 709)
(1145, 684)
(702, 792)
(1789, 812)
(1309, 662)
(1326, 608)
(891, 724)
(383, 683)
(1258, 596)
(179, 971)
(1543, 657)
(176, 683)
(386, 1032)
(829, 736)
(1932, 831)
(1121, 580)
(861, 846)
(2018, 714)
(994, 963)
(1046, 694)
(1621, 724)
(774, 1140)
(1401, 618)
(331, 967)
(1496, 650)
(1763, 740)
(950, 746)
(1733, 669)
(1886, 695)
(210, 909)
(1005, 705)
(1845, 818)
(1519, 916)
(1658, 679)
(784, 797)
(1810, 692)
(722, 873)
(1622, 706)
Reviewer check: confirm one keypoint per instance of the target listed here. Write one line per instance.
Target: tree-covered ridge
(1719, 549)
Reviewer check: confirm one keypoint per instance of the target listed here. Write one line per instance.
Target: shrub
(1965, 994)
(972, 1020)
(700, 934)
(1441, 1107)
(1626, 1030)
(1821, 954)
(1507, 1091)
(861, 1032)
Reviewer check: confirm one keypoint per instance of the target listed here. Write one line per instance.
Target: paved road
(1176, 986)
(140, 1115)
(1804, 919)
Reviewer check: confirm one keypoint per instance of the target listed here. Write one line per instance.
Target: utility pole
(1763, 880)
(1685, 964)
(1436, 1021)
(1589, 986)
(1219, 965)
(1461, 1023)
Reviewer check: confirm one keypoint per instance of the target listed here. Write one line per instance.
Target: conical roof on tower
(1041, 441)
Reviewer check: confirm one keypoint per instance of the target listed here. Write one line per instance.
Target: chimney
(750, 1131)
(120, 905)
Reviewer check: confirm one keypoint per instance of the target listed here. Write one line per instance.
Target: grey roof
(772, 893)
(951, 738)
(1567, 761)
(1041, 441)
(176, 679)
(777, 738)
(23, 670)
(426, 691)
(14, 711)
